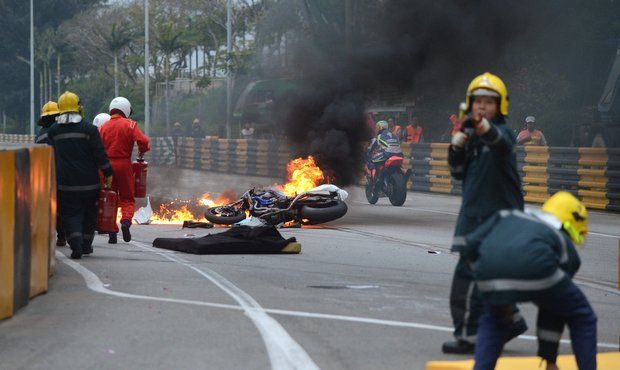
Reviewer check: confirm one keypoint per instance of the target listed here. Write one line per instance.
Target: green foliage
(14, 45)
(204, 82)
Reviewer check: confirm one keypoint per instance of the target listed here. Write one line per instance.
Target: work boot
(125, 225)
(517, 329)
(61, 241)
(459, 347)
(112, 239)
(87, 249)
(76, 254)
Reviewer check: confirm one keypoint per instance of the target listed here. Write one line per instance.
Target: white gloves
(483, 127)
(458, 140)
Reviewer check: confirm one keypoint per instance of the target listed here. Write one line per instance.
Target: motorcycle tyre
(315, 215)
(371, 196)
(399, 193)
(223, 220)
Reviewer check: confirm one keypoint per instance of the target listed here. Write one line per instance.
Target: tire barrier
(243, 157)
(27, 223)
(592, 174)
(162, 151)
(16, 138)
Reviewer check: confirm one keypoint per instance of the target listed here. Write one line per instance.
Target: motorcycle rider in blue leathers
(382, 147)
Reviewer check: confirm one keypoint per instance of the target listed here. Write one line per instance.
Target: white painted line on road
(95, 284)
(605, 235)
(284, 352)
(414, 209)
(456, 214)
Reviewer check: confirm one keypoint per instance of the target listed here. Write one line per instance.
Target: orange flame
(177, 211)
(303, 175)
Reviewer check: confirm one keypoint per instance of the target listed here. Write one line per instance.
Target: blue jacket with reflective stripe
(487, 167)
(518, 256)
(79, 153)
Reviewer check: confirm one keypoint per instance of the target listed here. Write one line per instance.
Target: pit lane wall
(27, 223)
(593, 174)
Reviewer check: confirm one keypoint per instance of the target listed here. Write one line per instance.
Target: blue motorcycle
(322, 204)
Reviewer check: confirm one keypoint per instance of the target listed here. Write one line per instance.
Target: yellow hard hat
(69, 103)
(488, 82)
(49, 109)
(571, 212)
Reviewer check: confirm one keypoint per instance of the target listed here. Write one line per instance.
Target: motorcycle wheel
(325, 213)
(224, 215)
(370, 194)
(398, 193)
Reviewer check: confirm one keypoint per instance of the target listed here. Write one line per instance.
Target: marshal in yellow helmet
(490, 85)
(69, 103)
(50, 109)
(571, 212)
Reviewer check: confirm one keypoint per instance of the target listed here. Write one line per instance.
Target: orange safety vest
(536, 137)
(414, 134)
(397, 131)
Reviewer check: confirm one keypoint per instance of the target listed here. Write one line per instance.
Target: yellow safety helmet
(69, 103)
(571, 212)
(487, 84)
(50, 109)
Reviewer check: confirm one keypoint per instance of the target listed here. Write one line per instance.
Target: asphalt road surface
(369, 291)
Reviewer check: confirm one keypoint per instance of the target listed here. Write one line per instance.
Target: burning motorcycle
(387, 180)
(319, 205)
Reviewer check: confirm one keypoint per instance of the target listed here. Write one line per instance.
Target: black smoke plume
(395, 46)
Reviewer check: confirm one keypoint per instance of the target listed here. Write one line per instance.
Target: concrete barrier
(27, 224)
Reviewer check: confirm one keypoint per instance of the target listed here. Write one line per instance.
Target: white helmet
(100, 119)
(382, 125)
(121, 104)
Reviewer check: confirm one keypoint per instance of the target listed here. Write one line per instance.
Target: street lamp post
(147, 103)
(31, 67)
(228, 77)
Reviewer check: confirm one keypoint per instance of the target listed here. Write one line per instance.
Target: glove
(482, 127)
(458, 140)
(108, 182)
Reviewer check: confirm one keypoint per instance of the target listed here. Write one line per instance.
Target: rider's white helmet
(381, 125)
(121, 104)
(100, 119)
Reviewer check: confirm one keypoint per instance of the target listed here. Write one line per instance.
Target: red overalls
(119, 135)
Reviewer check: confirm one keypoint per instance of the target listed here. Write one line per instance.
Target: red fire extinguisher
(140, 167)
(107, 206)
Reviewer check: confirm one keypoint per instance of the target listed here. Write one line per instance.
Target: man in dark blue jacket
(530, 257)
(49, 112)
(79, 155)
(482, 156)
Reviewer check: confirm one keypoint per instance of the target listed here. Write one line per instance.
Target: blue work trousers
(569, 304)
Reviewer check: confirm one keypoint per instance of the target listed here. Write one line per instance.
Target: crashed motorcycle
(322, 204)
(387, 180)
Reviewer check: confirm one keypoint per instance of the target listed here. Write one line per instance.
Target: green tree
(168, 40)
(116, 40)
